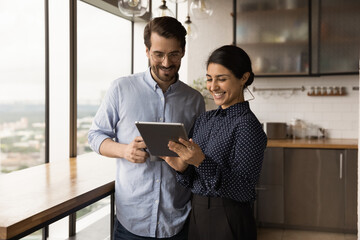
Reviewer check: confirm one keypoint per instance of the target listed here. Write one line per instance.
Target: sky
(21, 50)
(103, 47)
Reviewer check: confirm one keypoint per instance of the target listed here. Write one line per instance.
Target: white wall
(338, 115)
(212, 33)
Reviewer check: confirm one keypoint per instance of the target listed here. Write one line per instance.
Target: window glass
(59, 57)
(275, 35)
(339, 32)
(104, 54)
(22, 85)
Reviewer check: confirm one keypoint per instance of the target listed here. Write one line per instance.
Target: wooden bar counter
(35, 197)
(314, 143)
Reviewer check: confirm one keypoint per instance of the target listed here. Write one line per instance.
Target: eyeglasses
(160, 56)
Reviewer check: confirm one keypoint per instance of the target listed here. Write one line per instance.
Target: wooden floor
(99, 231)
(286, 234)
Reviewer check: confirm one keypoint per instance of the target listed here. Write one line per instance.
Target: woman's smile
(225, 88)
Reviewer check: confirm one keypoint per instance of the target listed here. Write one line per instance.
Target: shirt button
(157, 180)
(156, 201)
(161, 119)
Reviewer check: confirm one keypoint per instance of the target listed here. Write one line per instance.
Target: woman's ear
(244, 78)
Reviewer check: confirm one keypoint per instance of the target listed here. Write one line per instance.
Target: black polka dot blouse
(233, 142)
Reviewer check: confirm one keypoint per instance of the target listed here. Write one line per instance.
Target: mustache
(166, 68)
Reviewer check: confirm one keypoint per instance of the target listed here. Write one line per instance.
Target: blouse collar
(234, 110)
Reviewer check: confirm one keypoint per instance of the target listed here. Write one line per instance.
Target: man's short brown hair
(167, 27)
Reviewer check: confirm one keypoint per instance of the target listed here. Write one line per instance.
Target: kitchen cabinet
(270, 192)
(274, 35)
(319, 189)
(299, 37)
(337, 35)
(351, 189)
(308, 188)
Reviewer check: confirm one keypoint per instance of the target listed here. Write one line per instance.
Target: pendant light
(190, 27)
(163, 10)
(133, 8)
(201, 9)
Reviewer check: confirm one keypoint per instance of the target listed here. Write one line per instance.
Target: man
(149, 201)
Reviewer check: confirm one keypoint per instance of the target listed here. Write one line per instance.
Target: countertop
(314, 143)
(37, 196)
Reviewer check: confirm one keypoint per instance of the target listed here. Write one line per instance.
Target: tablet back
(157, 135)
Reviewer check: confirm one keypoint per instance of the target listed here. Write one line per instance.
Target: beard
(165, 74)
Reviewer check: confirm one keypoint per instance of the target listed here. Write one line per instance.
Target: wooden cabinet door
(270, 190)
(275, 34)
(338, 36)
(314, 188)
(351, 188)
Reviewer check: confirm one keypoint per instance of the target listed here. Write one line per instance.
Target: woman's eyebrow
(219, 75)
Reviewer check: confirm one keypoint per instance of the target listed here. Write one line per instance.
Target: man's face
(165, 59)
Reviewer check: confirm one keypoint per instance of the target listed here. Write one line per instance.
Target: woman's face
(225, 88)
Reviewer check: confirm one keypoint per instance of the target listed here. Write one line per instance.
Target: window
(104, 54)
(22, 85)
(104, 46)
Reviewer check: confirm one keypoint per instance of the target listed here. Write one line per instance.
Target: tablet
(157, 135)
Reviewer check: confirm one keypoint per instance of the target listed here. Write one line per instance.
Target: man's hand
(134, 152)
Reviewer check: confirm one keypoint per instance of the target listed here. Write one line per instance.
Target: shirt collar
(234, 110)
(149, 79)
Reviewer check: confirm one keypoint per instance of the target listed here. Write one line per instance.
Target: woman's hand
(176, 163)
(188, 151)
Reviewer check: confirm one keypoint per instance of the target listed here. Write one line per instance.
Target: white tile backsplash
(339, 115)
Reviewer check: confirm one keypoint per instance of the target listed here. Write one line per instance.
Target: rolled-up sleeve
(105, 120)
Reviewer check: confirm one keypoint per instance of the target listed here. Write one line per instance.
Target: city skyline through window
(22, 85)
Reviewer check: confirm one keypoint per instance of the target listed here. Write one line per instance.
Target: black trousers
(221, 219)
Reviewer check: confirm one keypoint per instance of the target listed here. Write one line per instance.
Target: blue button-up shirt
(149, 201)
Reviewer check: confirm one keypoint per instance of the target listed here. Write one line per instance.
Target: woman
(222, 162)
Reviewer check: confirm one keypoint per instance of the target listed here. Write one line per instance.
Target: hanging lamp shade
(133, 8)
(201, 9)
(191, 28)
(163, 11)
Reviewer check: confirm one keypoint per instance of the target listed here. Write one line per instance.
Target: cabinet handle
(260, 188)
(341, 165)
